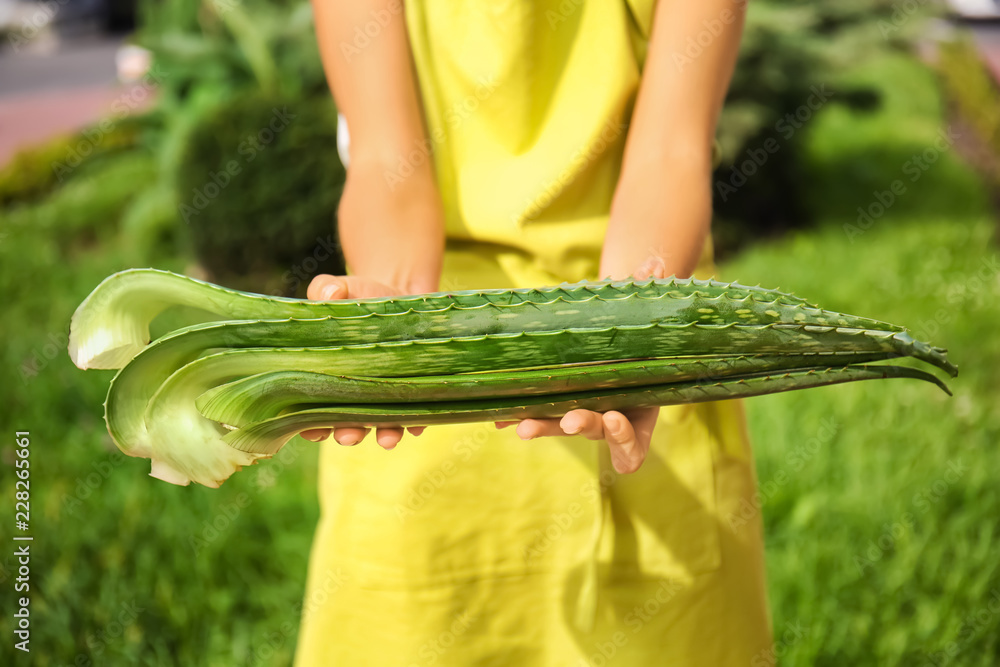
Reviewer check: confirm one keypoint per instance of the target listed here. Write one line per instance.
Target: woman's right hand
(327, 288)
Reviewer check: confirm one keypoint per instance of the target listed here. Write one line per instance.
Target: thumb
(325, 287)
(653, 267)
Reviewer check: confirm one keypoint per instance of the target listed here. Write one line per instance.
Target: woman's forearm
(662, 210)
(390, 218)
(663, 205)
(394, 237)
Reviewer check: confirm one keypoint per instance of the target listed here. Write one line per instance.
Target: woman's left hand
(627, 433)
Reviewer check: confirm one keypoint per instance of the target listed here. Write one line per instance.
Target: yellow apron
(466, 545)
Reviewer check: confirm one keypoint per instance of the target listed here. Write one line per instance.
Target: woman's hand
(628, 433)
(325, 288)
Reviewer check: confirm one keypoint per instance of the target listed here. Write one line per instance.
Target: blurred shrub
(38, 170)
(790, 60)
(258, 183)
(228, 46)
(84, 212)
(973, 94)
(253, 201)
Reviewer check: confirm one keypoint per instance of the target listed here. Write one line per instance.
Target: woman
(514, 144)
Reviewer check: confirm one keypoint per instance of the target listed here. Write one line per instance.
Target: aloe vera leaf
(150, 368)
(185, 452)
(135, 384)
(112, 324)
(268, 436)
(265, 395)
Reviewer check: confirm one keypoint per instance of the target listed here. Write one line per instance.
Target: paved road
(83, 63)
(44, 93)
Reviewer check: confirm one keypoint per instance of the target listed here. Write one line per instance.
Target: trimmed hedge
(258, 185)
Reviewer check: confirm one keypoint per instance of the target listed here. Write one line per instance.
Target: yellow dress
(467, 546)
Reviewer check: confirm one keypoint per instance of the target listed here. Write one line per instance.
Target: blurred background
(861, 146)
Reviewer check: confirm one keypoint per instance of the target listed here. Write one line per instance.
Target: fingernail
(616, 427)
(330, 291)
(622, 467)
(573, 431)
(350, 441)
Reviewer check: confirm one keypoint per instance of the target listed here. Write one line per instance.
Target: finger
(537, 428)
(388, 438)
(325, 287)
(583, 422)
(349, 437)
(654, 267)
(504, 424)
(626, 454)
(415, 430)
(316, 434)
(366, 288)
(643, 422)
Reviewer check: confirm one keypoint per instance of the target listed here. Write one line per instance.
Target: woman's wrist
(660, 210)
(393, 235)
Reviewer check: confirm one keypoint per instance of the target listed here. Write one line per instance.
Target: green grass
(108, 540)
(907, 466)
(138, 560)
